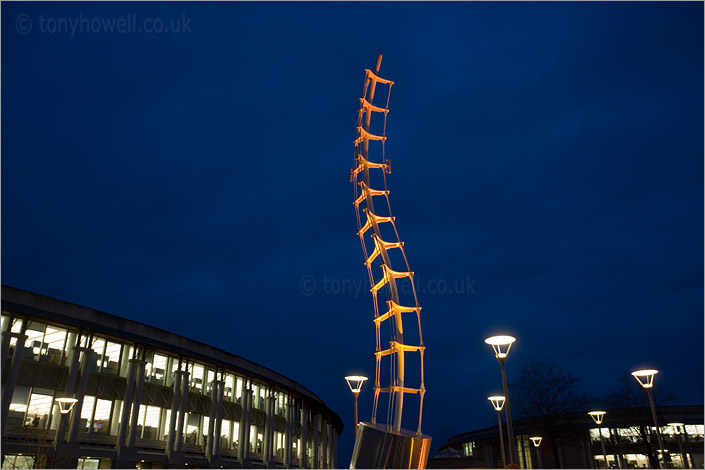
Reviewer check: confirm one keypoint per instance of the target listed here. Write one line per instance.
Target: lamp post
(355, 383)
(65, 406)
(498, 404)
(536, 441)
(677, 431)
(645, 378)
(501, 345)
(687, 446)
(598, 416)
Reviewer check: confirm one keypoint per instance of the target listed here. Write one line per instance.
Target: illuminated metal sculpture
(385, 445)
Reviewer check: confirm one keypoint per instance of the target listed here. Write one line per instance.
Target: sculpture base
(376, 447)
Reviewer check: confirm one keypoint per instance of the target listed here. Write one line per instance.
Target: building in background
(578, 444)
(147, 398)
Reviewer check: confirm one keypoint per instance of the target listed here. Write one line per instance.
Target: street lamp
(676, 429)
(65, 404)
(645, 378)
(536, 441)
(501, 345)
(598, 416)
(498, 404)
(355, 383)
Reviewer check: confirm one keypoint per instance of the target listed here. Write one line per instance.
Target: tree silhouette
(547, 395)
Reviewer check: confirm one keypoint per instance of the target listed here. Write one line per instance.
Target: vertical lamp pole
(677, 431)
(501, 346)
(65, 406)
(355, 383)
(536, 441)
(598, 416)
(498, 404)
(646, 379)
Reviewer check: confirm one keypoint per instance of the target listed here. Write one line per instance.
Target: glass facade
(100, 412)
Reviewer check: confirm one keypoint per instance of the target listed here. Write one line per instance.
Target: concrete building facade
(146, 398)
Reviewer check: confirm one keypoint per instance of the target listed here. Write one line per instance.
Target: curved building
(146, 398)
(627, 437)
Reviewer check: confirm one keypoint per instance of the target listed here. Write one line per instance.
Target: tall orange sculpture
(385, 445)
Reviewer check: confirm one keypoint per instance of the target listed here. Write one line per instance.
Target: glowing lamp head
(536, 440)
(597, 416)
(65, 404)
(355, 382)
(645, 377)
(497, 402)
(501, 345)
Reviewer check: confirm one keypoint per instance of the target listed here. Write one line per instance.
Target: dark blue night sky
(547, 169)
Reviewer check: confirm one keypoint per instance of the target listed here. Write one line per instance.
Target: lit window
(155, 369)
(238, 388)
(111, 360)
(165, 426)
(192, 428)
(56, 341)
(39, 410)
(279, 444)
(88, 463)
(151, 422)
(99, 347)
(18, 461)
(228, 391)
(468, 448)
(225, 433)
(87, 413)
(236, 434)
(210, 377)
(17, 325)
(101, 419)
(197, 378)
(256, 437)
(34, 346)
